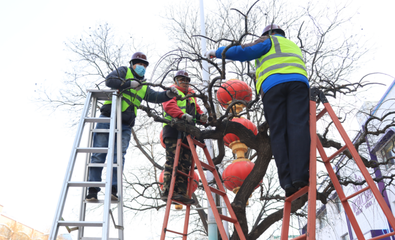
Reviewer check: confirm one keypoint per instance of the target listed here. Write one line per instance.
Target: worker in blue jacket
(281, 80)
(128, 81)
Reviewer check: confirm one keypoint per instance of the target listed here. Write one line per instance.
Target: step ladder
(192, 144)
(89, 117)
(315, 95)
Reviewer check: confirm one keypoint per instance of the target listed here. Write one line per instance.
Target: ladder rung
(355, 194)
(101, 130)
(200, 144)
(102, 201)
(322, 113)
(87, 184)
(92, 150)
(184, 174)
(101, 165)
(383, 236)
(102, 94)
(208, 167)
(185, 146)
(217, 191)
(97, 238)
(168, 230)
(297, 195)
(80, 224)
(98, 120)
(304, 236)
(342, 149)
(226, 218)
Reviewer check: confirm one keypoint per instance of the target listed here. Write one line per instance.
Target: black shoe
(184, 199)
(300, 184)
(92, 195)
(289, 190)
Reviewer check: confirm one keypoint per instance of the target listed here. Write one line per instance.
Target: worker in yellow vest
(125, 80)
(188, 110)
(281, 80)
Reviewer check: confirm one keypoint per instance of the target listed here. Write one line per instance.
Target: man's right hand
(210, 54)
(187, 117)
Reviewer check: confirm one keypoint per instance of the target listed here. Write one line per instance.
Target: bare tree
(330, 59)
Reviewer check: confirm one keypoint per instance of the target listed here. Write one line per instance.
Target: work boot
(183, 198)
(164, 195)
(289, 190)
(114, 191)
(92, 195)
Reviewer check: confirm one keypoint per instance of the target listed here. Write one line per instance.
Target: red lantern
(230, 137)
(194, 184)
(161, 139)
(233, 89)
(235, 174)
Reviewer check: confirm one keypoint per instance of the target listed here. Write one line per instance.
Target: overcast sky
(36, 144)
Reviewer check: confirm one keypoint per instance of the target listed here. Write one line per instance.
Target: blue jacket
(254, 50)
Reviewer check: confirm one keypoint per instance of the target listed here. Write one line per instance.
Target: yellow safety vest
(182, 104)
(284, 57)
(131, 96)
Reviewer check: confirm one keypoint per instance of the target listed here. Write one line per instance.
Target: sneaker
(92, 195)
(184, 199)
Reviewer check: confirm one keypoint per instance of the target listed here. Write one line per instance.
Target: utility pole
(212, 225)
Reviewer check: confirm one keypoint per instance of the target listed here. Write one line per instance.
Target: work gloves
(136, 85)
(203, 118)
(210, 54)
(187, 118)
(173, 92)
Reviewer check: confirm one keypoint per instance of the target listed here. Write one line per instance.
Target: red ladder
(316, 94)
(208, 189)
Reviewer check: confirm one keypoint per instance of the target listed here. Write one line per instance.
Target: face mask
(140, 70)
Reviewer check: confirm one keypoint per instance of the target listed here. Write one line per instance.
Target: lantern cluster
(235, 174)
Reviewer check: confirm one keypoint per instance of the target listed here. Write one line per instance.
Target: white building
(332, 222)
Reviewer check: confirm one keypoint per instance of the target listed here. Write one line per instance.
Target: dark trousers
(286, 108)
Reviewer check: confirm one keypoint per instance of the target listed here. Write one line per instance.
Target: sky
(36, 141)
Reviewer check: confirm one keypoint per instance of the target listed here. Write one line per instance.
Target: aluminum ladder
(192, 144)
(89, 116)
(315, 95)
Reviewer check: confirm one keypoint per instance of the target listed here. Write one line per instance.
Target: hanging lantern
(161, 139)
(194, 184)
(234, 89)
(235, 174)
(230, 137)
